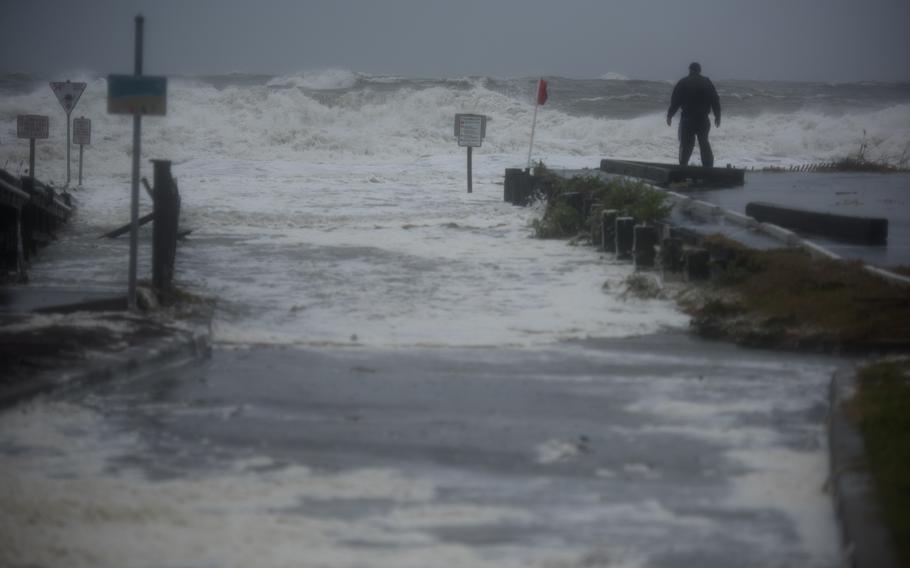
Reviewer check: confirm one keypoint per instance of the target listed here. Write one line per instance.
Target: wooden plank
(125, 228)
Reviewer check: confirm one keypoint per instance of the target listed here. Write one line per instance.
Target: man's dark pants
(689, 130)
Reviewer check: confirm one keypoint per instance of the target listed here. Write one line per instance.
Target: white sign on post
(82, 131)
(31, 126)
(470, 129)
(68, 94)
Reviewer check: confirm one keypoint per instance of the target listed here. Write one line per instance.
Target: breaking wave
(339, 115)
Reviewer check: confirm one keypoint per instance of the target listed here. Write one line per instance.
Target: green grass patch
(880, 410)
(566, 214)
(836, 302)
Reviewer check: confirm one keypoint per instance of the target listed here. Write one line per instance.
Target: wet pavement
(854, 194)
(656, 451)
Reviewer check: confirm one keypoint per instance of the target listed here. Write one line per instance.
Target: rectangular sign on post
(31, 126)
(82, 131)
(470, 129)
(137, 94)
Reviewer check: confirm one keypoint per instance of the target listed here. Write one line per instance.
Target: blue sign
(137, 94)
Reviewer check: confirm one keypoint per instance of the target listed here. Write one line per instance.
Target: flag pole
(540, 99)
(533, 126)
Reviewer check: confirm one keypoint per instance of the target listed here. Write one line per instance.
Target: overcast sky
(813, 40)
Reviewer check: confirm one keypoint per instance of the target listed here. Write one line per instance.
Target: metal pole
(68, 144)
(469, 169)
(31, 158)
(134, 196)
(81, 147)
(533, 126)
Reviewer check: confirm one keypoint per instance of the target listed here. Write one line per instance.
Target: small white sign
(31, 126)
(68, 94)
(470, 129)
(82, 131)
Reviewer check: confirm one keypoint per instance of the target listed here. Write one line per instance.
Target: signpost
(68, 94)
(470, 130)
(31, 126)
(136, 95)
(82, 135)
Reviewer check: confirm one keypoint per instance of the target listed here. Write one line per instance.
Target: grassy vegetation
(856, 162)
(566, 215)
(880, 410)
(784, 297)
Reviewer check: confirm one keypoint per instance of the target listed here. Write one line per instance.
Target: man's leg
(686, 141)
(704, 147)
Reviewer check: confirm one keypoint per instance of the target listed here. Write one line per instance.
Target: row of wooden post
(649, 246)
(646, 245)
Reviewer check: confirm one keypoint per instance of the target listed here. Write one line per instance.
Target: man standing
(696, 96)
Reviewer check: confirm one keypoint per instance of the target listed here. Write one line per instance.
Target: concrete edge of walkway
(180, 347)
(868, 542)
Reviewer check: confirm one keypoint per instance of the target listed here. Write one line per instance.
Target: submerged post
(164, 231)
(644, 242)
(608, 229)
(624, 237)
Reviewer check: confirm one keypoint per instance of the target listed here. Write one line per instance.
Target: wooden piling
(671, 255)
(644, 241)
(625, 237)
(698, 265)
(510, 183)
(165, 228)
(608, 229)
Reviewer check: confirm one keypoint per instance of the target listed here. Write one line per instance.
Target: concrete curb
(867, 541)
(181, 348)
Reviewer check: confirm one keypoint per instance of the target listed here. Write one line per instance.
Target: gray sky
(814, 40)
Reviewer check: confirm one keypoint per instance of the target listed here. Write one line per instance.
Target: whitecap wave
(329, 119)
(327, 79)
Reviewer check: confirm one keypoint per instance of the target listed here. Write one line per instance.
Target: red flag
(541, 92)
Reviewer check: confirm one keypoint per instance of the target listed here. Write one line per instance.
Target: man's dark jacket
(697, 96)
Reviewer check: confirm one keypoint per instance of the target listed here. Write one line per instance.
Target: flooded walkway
(657, 451)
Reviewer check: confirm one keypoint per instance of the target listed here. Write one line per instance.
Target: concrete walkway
(658, 451)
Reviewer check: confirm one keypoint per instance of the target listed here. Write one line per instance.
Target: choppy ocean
(342, 115)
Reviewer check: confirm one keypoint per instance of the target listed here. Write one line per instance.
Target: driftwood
(126, 228)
